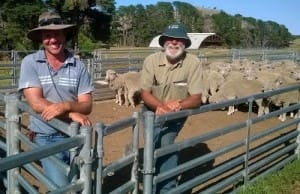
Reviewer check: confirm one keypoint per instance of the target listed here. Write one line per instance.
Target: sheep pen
(109, 112)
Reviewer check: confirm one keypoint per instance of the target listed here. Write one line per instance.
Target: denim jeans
(51, 170)
(165, 134)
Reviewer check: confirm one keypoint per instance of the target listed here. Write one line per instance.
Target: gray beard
(173, 57)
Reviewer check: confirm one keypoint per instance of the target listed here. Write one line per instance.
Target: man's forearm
(193, 101)
(39, 105)
(80, 107)
(151, 101)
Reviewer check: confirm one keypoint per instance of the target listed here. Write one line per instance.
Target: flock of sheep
(225, 81)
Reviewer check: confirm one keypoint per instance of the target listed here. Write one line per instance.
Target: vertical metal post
(247, 141)
(294, 56)
(148, 151)
(14, 66)
(74, 129)
(233, 55)
(297, 151)
(263, 56)
(85, 157)
(101, 68)
(135, 149)
(99, 130)
(13, 127)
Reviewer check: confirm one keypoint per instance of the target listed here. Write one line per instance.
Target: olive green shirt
(167, 81)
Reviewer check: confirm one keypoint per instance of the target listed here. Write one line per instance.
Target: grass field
(295, 45)
(285, 181)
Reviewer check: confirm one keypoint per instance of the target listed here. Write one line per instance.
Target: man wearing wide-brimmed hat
(55, 85)
(171, 81)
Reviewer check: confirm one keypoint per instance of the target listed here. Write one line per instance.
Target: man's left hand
(169, 106)
(174, 105)
(54, 110)
(80, 118)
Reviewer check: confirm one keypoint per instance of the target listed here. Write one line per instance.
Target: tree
(93, 18)
(141, 29)
(100, 23)
(228, 27)
(250, 31)
(17, 17)
(160, 16)
(124, 23)
(189, 16)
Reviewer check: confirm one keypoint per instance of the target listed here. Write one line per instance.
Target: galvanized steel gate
(88, 171)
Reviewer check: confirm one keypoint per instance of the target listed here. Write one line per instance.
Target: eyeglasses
(45, 22)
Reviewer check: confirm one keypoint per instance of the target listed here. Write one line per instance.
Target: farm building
(198, 39)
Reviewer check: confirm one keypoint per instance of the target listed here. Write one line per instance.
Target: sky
(284, 12)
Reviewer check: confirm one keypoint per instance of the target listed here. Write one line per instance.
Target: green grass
(295, 45)
(285, 181)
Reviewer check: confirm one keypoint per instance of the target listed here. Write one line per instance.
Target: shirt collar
(41, 57)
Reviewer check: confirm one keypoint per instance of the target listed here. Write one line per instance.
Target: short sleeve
(28, 74)
(85, 84)
(147, 75)
(196, 79)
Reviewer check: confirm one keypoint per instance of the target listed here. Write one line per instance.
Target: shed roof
(196, 38)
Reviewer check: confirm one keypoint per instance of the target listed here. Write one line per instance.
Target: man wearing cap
(55, 85)
(171, 81)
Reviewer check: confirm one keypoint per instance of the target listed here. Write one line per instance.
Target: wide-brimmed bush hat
(175, 31)
(51, 21)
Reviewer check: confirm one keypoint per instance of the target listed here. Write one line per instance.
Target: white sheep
(132, 88)
(269, 75)
(115, 83)
(286, 99)
(237, 88)
(212, 81)
(126, 84)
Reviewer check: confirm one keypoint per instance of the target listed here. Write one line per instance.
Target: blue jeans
(52, 171)
(164, 135)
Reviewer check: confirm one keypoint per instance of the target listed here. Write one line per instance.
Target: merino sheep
(115, 83)
(212, 81)
(132, 88)
(237, 88)
(220, 77)
(286, 99)
(126, 84)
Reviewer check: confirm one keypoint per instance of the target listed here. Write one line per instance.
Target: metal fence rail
(250, 161)
(127, 60)
(131, 159)
(244, 164)
(16, 159)
(239, 162)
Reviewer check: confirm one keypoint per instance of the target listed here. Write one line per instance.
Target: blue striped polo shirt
(65, 84)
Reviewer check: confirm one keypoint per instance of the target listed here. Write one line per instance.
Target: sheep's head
(110, 75)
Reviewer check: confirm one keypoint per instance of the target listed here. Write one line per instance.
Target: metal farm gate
(232, 163)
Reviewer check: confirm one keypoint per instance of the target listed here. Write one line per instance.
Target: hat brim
(35, 34)
(162, 39)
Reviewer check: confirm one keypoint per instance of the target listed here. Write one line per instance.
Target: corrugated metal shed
(196, 38)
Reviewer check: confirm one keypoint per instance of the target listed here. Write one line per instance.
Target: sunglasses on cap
(45, 22)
